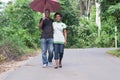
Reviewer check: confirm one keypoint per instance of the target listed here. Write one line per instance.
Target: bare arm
(65, 35)
(41, 23)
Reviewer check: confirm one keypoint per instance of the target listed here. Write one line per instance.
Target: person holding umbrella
(46, 6)
(46, 39)
(60, 39)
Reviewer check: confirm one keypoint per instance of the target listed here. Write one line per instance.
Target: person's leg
(44, 51)
(50, 50)
(61, 54)
(56, 55)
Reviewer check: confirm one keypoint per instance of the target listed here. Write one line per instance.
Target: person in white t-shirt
(60, 39)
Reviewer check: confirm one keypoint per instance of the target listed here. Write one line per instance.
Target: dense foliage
(110, 14)
(19, 27)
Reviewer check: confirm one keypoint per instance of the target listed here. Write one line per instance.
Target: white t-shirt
(58, 36)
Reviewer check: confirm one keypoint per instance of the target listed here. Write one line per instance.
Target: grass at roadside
(30, 53)
(115, 52)
(11, 50)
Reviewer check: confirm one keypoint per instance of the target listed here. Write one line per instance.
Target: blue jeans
(59, 51)
(47, 45)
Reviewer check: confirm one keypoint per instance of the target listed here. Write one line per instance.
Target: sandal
(60, 65)
(56, 67)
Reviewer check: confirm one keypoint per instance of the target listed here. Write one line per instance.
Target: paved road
(79, 64)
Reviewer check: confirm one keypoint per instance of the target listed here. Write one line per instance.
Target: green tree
(110, 18)
(20, 21)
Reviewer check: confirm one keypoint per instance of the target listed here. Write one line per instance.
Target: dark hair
(47, 10)
(57, 13)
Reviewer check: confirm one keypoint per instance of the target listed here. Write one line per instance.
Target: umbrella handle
(44, 7)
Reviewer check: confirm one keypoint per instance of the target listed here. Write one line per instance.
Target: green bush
(115, 52)
(83, 35)
(11, 50)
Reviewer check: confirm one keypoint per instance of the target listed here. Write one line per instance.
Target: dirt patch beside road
(9, 66)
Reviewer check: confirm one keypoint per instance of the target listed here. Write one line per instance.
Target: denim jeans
(59, 51)
(47, 45)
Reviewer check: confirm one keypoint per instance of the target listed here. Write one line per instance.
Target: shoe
(50, 64)
(44, 65)
(56, 67)
(60, 66)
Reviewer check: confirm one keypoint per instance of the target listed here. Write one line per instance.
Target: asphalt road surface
(78, 64)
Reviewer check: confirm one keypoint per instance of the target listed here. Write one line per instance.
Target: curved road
(78, 64)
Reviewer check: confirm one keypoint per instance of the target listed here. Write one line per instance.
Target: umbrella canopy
(41, 5)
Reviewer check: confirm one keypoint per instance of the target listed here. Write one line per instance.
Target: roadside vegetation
(115, 52)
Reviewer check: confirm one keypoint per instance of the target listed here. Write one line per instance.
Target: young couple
(53, 38)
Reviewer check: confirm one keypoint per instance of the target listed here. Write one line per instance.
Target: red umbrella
(41, 5)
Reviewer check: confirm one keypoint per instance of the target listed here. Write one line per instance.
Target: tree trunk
(82, 8)
(98, 21)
